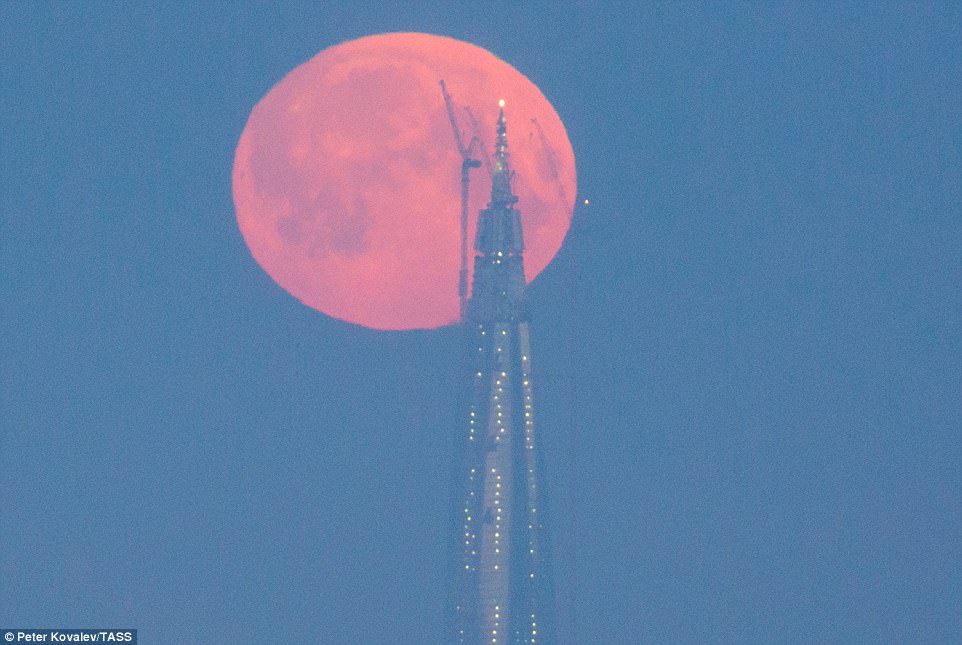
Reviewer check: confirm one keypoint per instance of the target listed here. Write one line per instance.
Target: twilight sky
(749, 349)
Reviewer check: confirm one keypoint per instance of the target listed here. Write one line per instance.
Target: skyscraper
(503, 592)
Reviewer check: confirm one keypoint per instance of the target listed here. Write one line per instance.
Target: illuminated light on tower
(503, 588)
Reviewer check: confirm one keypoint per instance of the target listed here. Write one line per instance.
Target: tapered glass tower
(503, 591)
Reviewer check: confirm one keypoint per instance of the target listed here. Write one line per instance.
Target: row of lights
(500, 382)
(532, 484)
(500, 379)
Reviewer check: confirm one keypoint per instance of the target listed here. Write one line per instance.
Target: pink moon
(346, 178)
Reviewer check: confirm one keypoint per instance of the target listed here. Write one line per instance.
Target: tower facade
(503, 591)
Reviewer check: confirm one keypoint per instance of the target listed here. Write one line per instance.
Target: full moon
(347, 179)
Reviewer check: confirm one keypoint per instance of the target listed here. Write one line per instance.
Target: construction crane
(467, 163)
(552, 160)
(478, 132)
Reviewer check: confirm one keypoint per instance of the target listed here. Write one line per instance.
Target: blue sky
(749, 350)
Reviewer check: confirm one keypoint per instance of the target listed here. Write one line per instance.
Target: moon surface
(346, 178)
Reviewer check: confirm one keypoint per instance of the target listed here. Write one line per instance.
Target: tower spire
(501, 180)
(503, 587)
(497, 291)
